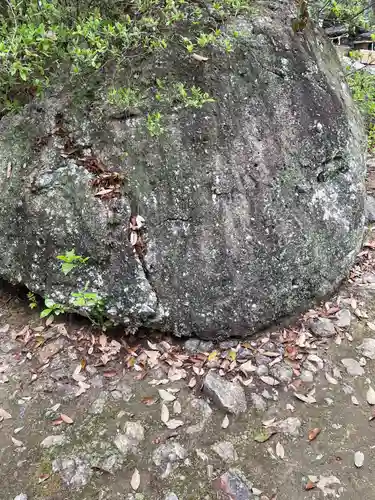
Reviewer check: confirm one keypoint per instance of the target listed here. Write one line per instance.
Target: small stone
(307, 376)
(228, 395)
(228, 344)
(234, 485)
(282, 372)
(133, 435)
(125, 390)
(191, 345)
(171, 496)
(50, 349)
(367, 348)
(225, 450)
(322, 327)
(244, 353)
(259, 402)
(352, 367)
(344, 318)
(98, 405)
(168, 453)
(75, 472)
(262, 370)
(359, 459)
(56, 440)
(21, 496)
(290, 425)
(370, 208)
(204, 411)
(205, 346)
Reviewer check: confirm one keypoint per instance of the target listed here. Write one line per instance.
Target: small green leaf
(45, 312)
(49, 303)
(264, 435)
(66, 267)
(232, 355)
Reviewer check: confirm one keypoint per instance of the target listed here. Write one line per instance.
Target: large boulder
(253, 205)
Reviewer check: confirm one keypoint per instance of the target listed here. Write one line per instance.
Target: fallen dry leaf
(310, 485)
(135, 480)
(359, 459)
(4, 414)
(192, 382)
(16, 442)
(269, 380)
(264, 435)
(280, 452)
(176, 407)
(66, 418)
(148, 400)
(164, 413)
(370, 396)
(166, 396)
(225, 422)
(199, 58)
(174, 424)
(314, 433)
(306, 399)
(43, 477)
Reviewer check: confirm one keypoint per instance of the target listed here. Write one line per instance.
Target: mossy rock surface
(253, 204)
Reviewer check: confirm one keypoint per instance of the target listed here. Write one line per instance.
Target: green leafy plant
(154, 124)
(193, 97)
(32, 300)
(47, 41)
(125, 97)
(92, 304)
(362, 85)
(52, 307)
(70, 260)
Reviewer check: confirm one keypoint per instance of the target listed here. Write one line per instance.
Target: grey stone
(244, 353)
(370, 208)
(262, 370)
(367, 348)
(22, 496)
(171, 496)
(322, 327)
(234, 485)
(307, 376)
(225, 197)
(191, 345)
(282, 372)
(258, 402)
(228, 395)
(205, 346)
(133, 435)
(352, 367)
(344, 318)
(98, 405)
(290, 426)
(54, 440)
(124, 390)
(204, 411)
(74, 471)
(226, 451)
(169, 452)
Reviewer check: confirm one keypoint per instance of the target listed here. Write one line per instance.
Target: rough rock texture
(229, 396)
(253, 205)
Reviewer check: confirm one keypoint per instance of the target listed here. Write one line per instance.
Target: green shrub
(362, 85)
(42, 41)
